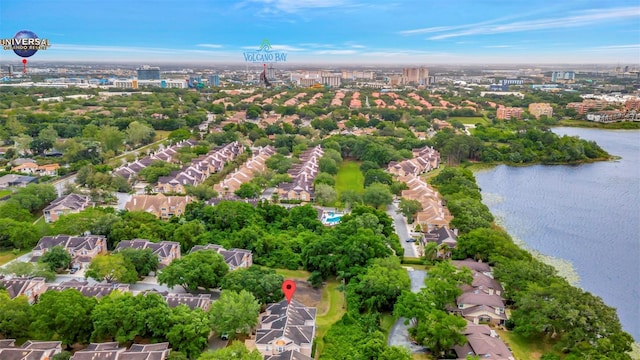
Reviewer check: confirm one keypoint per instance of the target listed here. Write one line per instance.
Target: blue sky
(331, 31)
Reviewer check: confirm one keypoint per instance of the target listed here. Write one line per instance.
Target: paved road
(399, 334)
(402, 230)
(61, 184)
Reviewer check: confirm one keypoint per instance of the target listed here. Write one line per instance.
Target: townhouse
(68, 204)
(246, 172)
(166, 251)
(302, 177)
(81, 248)
(235, 258)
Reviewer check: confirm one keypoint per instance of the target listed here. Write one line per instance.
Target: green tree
(236, 351)
(56, 259)
(409, 208)
(264, 283)
(439, 331)
(325, 195)
(15, 316)
(395, 353)
(234, 312)
(138, 133)
(28, 269)
(111, 139)
(350, 198)
(328, 165)
(143, 260)
(63, 315)
(203, 192)
(377, 195)
(17, 234)
(34, 196)
(13, 211)
(188, 330)
(248, 191)
(382, 283)
(203, 269)
(324, 178)
(377, 176)
(114, 267)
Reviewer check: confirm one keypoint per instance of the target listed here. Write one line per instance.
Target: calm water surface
(588, 215)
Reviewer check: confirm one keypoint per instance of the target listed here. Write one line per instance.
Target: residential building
(256, 164)
(193, 301)
(213, 80)
(81, 248)
(586, 105)
(540, 109)
(68, 204)
(481, 302)
(445, 238)
(632, 104)
(302, 176)
(415, 76)
(166, 251)
(10, 180)
(34, 169)
(508, 113)
(96, 290)
(483, 342)
(30, 350)
(286, 327)
(333, 80)
(30, 288)
(508, 82)
(160, 205)
(147, 72)
(563, 76)
(235, 258)
(113, 351)
(288, 355)
(606, 116)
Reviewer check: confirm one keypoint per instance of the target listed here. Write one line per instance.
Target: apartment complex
(415, 76)
(508, 113)
(540, 109)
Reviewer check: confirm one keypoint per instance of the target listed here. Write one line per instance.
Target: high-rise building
(563, 76)
(214, 80)
(539, 109)
(147, 72)
(333, 80)
(415, 76)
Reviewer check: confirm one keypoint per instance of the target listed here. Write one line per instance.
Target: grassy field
(349, 177)
(5, 192)
(522, 348)
(330, 311)
(7, 255)
(386, 323)
(294, 274)
(469, 120)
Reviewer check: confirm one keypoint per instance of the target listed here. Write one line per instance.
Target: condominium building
(507, 113)
(563, 76)
(415, 76)
(540, 109)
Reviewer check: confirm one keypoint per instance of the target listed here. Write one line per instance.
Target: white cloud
(335, 52)
(211, 46)
(585, 18)
(292, 6)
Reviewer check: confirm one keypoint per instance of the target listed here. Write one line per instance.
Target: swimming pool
(332, 220)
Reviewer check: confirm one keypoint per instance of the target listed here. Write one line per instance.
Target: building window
(280, 349)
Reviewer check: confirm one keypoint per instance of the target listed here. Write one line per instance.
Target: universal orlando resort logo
(265, 54)
(25, 43)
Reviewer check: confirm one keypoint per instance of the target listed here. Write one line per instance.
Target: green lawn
(8, 255)
(294, 274)
(469, 120)
(330, 310)
(523, 348)
(5, 192)
(386, 322)
(349, 177)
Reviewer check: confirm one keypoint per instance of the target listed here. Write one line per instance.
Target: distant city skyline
(330, 31)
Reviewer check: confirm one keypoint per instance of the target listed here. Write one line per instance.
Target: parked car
(410, 240)
(73, 271)
(224, 336)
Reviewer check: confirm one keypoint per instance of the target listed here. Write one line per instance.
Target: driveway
(402, 230)
(399, 334)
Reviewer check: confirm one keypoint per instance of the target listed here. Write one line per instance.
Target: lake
(584, 218)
